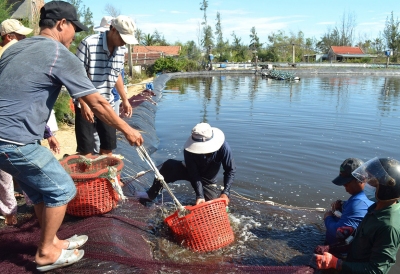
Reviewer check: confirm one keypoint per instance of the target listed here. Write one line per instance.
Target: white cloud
(181, 27)
(188, 29)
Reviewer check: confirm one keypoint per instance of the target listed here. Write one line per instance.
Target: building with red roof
(341, 53)
(147, 55)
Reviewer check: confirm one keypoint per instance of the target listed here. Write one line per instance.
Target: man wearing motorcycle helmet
(377, 239)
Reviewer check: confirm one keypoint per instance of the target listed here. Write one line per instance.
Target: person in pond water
(205, 151)
(344, 216)
(377, 239)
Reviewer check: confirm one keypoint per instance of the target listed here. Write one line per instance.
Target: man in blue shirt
(205, 152)
(351, 211)
(377, 239)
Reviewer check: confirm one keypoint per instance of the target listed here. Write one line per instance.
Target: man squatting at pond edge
(377, 239)
(34, 90)
(205, 152)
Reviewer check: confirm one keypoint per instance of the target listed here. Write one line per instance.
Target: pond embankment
(299, 71)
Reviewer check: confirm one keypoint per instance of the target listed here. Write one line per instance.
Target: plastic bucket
(205, 228)
(95, 194)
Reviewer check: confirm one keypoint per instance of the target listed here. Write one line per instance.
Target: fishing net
(133, 238)
(120, 242)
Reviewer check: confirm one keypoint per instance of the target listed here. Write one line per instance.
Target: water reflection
(390, 93)
(288, 139)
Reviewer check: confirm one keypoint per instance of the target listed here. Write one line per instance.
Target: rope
(137, 175)
(145, 157)
(276, 204)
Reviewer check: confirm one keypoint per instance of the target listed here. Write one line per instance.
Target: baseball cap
(346, 168)
(58, 10)
(13, 25)
(126, 28)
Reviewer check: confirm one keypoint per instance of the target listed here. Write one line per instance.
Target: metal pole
(130, 60)
(209, 57)
(293, 53)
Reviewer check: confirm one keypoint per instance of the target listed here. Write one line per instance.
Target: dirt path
(66, 134)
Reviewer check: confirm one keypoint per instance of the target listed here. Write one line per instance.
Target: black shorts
(173, 170)
(84, 134)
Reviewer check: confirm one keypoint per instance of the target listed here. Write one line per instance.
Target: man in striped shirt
(103, 56)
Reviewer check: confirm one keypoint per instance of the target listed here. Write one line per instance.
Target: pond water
(288, 140)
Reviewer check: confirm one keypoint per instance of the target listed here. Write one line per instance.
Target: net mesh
(116, 243)
(120, 241)
(128, 238)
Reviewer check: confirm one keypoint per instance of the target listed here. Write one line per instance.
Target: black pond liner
(119, 241)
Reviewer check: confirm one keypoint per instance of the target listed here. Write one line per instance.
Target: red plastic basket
(205, 228)
(95, 195)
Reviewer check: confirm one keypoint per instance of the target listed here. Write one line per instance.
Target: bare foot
(11, 220)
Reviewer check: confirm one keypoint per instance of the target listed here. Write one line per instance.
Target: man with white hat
(105, 24)
(205, 152)
(11, 32)
(103, 56)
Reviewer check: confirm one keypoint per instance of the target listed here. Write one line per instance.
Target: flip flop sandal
(67, 257)
(76, 241)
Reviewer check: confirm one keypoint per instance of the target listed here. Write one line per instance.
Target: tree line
(278, 46)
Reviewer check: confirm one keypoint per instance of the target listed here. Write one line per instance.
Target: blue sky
(179, 20)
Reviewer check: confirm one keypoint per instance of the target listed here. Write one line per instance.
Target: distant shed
(341, 53)
(147, 55)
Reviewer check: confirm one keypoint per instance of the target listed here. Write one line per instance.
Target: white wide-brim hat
(204, 139)
(104, 24)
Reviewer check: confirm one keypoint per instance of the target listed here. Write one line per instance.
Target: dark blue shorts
(38, 173)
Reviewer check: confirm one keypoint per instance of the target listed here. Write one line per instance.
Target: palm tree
(148, 39)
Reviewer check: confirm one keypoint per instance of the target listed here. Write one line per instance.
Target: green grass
(62, 107)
